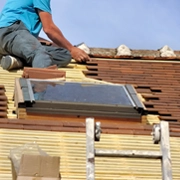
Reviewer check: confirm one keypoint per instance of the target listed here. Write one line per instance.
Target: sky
(138, 24)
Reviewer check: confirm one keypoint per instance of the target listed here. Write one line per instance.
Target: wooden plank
(83, 106)
(18, 93)
(78, 112)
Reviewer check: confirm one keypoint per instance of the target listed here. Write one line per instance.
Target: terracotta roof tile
(103, 52)
(46, 73)
(145, 53)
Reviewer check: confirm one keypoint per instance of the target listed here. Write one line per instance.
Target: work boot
(9, 63)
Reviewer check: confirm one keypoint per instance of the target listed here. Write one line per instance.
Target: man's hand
(79, 55)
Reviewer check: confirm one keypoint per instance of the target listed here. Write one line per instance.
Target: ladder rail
(90, 155)
(166, 164)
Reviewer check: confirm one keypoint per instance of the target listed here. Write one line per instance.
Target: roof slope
(71, 146)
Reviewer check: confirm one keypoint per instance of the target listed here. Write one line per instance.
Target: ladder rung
(128, 153)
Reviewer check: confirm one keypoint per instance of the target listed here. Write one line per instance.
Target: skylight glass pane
(81, 93)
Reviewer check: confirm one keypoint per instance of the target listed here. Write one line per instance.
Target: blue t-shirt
(25, 11)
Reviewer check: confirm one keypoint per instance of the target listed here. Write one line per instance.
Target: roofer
(20, 24)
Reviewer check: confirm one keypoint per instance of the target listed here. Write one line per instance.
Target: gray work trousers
(17, 41)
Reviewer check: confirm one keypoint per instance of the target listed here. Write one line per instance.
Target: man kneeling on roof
(20, 24)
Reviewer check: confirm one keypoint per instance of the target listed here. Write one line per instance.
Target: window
(81, 99)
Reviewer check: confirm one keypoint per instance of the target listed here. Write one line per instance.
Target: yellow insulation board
(71, 147)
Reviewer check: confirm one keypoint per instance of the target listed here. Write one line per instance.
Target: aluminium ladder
(160, 135)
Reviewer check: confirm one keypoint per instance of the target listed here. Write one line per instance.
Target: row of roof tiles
(65, 126)
(158, 83)
(125, 52)
(3, 102)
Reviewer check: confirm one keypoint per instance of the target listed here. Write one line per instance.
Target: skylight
(81, 99)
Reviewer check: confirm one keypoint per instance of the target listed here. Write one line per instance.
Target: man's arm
(55, 34)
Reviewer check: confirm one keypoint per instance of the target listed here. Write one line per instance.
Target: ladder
(160, 135)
